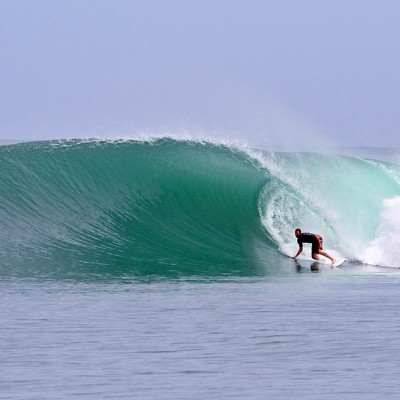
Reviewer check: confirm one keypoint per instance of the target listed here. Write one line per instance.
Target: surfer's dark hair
(297, 230)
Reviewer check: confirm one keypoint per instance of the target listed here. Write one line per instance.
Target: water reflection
(314, 267)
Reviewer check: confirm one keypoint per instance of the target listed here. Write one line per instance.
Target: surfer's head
(297, 232)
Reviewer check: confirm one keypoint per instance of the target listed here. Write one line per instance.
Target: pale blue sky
(270, 72)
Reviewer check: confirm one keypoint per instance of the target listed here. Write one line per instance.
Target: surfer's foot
(333, 261)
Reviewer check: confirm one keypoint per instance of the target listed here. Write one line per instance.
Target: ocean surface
(157, 268)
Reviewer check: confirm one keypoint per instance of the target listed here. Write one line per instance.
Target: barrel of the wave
(350, 219)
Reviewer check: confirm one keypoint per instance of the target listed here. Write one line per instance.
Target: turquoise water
(173, 207)
(150, 269)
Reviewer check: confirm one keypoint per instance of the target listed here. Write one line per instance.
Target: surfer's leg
(319, 247)
(315, 250)
(327, 256)
(315, 256)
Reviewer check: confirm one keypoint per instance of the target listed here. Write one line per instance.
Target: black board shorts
(316, 245)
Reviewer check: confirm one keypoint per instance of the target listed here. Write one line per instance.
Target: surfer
(316, 244)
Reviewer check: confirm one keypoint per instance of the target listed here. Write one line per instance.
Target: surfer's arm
(298, 253)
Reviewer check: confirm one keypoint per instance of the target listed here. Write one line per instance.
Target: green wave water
(184, 207)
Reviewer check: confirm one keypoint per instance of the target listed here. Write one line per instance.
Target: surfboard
(323, 260)
(326, 262)
(339, 262)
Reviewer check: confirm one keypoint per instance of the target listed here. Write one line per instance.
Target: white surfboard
(322, 260)
(338, 262)
(325, 261)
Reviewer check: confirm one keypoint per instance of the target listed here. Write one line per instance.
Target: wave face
(164, 205)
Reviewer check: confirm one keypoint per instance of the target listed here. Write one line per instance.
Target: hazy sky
(271, 71)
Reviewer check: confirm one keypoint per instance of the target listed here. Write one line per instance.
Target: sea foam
(385, 248)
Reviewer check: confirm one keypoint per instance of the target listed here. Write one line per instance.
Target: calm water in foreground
(328, 335)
